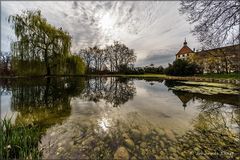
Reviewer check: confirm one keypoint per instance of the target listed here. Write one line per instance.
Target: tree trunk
(47, 63)
(226, 65)
(46, 94)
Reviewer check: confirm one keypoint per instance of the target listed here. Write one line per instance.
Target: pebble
(173, 150)
(121, 154)
(143, 151)
(162, 153)
(125, 136)
(136, 134)
(160, 131)
(133, 158)
(170, 134)
(143, 145)
(129, 143)
(162, 144)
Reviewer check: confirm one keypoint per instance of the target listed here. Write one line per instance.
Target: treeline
(41, 48)
(178, 68)
(115, 58)
(119, 59)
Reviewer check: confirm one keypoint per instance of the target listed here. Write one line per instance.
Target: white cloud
(146, 27)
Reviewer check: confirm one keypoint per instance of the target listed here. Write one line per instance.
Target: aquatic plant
(210, 84)
(19, 141)
(207, 88)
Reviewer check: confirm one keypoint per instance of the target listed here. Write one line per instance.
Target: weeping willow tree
(41, 48)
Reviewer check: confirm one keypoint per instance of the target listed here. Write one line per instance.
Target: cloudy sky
(155, 30)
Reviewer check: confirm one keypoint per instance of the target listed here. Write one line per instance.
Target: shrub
(182, 68)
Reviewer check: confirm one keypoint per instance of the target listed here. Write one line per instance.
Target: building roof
(185, 49)
(228, 50)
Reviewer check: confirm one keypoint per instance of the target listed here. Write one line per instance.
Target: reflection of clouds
(143, 26)
(5, 104)
(104, 123)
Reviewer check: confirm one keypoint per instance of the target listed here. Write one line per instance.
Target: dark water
(102, 118)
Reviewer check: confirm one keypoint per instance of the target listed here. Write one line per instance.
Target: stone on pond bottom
(121, 154)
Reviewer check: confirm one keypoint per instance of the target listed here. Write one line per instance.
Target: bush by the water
(18, 141)
(182, 68)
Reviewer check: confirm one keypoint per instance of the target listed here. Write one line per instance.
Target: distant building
(185, 52)
(217, 60)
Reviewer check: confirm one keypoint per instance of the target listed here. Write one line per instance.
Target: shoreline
(156, 76)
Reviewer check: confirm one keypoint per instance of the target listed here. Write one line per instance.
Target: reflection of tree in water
(115, 91)
(215, 133)
(185, 96)
(40, 104)
(225, 116)
(43, 101)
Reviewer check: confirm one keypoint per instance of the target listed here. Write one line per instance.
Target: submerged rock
(125, 136)
(121, 154)
(143, 152)
(136, 134)
(129, 143)
(143, 145)
(133, 158)
(162, 144)
(170, 134)
(173, 150)
(160, 131)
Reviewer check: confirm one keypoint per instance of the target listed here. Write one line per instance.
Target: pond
(110, 117)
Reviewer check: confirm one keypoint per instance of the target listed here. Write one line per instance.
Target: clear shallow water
(123, 118)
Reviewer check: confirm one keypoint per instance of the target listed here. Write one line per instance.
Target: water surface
(123, 118)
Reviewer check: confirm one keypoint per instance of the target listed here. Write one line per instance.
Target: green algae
(210, 84)
(207, 88)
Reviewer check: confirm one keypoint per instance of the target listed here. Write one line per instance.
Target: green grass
(223, 76)
(143, 75)
(212, 75)
(216, 76)
(19, 142)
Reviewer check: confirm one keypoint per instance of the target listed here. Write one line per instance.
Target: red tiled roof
(184, 50)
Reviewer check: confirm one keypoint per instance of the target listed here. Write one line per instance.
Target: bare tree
(115, 57)
(87, 56)
(119, 55)
(99, 58)
(216, 22)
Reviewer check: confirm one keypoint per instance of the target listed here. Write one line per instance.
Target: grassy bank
(212, 76)
(19, 142)
(222, 76)
(231, 76)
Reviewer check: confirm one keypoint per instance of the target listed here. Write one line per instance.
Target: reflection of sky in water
(92, 113)
(161, 107)
(153, 102)
(104, 124)
(5, 104)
